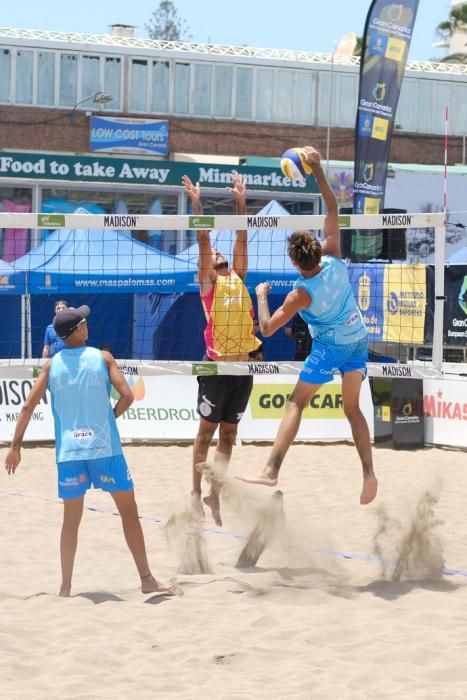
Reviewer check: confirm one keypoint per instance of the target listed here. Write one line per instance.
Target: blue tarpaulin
(268, 260)
(103, 261)
(12, 281)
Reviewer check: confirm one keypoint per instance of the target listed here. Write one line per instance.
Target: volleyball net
(145, 303)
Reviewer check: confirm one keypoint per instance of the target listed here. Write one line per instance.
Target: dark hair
(304, 249)
(61, 301)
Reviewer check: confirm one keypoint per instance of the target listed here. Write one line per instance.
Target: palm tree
(457, 22)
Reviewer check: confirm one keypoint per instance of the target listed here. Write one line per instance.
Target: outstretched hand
(12, 459)
(238, 188)
(312, 155)
(262, 290)
(193, 192)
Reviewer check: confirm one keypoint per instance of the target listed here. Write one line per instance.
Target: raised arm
(240, 251)
(13, 457)
(331, 244)
(205, 265)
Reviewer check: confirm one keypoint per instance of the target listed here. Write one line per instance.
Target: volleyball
(294, 165)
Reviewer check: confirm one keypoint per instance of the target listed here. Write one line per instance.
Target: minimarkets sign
(141, 171)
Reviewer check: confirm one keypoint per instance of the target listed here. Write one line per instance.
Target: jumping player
(229, 336)
(322, 295)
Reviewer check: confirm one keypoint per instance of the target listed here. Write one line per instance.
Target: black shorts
(223, 398)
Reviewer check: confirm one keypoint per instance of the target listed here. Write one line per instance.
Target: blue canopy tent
(85, 266)
(12, 317)
(267, 252)
(267, 262)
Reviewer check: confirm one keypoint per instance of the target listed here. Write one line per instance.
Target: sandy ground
(346, 602)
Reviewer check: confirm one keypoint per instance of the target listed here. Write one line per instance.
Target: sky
(309, 25)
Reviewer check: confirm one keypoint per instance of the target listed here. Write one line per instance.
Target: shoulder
(299, 296)
(107, 357)
(333, 260)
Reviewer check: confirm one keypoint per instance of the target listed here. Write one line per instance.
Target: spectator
(52, 343)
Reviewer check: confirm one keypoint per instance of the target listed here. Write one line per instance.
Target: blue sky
(301, 24)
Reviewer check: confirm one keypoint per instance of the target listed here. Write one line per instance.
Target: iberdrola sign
(141, 171)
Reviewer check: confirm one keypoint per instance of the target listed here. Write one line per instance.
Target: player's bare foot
(266, 478)
(197, 510)
(64, 591)
(212, 501)
(151, 585)
(370, 487)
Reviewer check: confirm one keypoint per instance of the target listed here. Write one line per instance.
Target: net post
(438, 325)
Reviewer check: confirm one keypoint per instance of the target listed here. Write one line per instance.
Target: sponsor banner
(445, 408)
(407, 413)
(122, 135)
(165, 409)
(405, 301)
(385, 47)
(13, 393)
(367, 284)
(455, 307)
(323, 418)
(142, 171)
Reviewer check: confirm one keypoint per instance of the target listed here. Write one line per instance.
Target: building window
(24, 75)
(160, 86)
(202, 90)
(90, 79)
(264, 93)
(223, 84)
(304, 97)
(284, 102)
(5, 70)
(181, 88)
(244, 91)
(68, 79)
(45, 78)
(139, 85)
(113, 81)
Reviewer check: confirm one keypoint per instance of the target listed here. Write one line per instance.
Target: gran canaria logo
(379, 92)
(364, 292)
(369, 172)
(395, 12)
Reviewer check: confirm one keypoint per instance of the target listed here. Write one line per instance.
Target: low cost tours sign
(141, 171)
(120, 135)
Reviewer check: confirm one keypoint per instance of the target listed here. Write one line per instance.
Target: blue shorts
(325, 360)
(107, 473)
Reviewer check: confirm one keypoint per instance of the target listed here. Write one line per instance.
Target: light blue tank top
(85, 425)
(333, 316)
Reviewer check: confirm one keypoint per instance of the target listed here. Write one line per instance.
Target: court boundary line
(352, 556)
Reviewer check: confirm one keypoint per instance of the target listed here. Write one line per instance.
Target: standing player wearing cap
(87, 441)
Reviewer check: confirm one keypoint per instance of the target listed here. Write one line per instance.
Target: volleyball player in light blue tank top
(322, 295)
(87, 430)
(87, 442)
